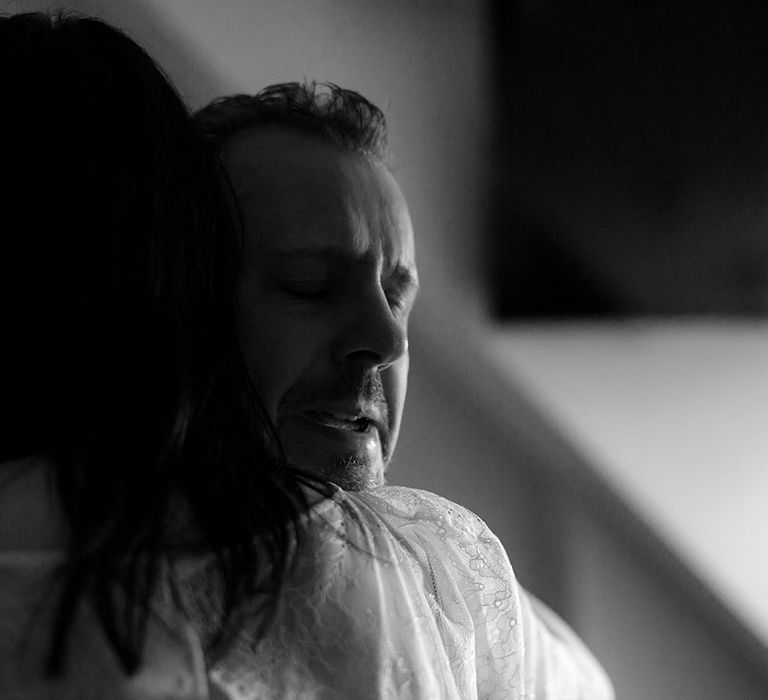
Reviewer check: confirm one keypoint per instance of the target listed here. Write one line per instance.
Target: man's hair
(341, 117)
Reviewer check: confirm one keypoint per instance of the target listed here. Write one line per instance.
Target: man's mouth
(344, 442)
(341, 421)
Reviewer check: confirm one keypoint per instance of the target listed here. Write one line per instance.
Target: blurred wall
(635, 162)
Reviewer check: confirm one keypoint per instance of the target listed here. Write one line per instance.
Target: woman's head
(123, 369)
(113, 247)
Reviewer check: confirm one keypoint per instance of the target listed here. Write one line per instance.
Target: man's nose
(376, 337)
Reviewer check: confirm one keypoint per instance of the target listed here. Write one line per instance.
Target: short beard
(355, 474)
(365, 385)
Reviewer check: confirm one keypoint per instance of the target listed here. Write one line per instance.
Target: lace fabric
(397, 593)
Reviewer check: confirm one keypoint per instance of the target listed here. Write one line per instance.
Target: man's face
(328, 283)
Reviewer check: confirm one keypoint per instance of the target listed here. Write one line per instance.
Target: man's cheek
(277, 371)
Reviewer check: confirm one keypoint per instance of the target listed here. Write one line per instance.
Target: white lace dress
(400, 594)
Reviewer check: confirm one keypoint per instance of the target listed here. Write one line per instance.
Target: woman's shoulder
(435, 534)
(404, 507)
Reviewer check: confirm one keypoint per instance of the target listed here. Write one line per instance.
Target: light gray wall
(647, 628)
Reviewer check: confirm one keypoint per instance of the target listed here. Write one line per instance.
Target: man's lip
(348, 414)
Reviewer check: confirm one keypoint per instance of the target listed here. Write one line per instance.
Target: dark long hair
(123, 367)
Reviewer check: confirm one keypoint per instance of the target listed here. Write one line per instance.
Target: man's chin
(354, 463)
(353, 474)
(349, 474)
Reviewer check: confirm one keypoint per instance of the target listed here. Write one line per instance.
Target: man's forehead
(269, 149)
(302, 197)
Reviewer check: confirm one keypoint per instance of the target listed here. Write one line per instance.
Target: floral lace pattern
(397, 593)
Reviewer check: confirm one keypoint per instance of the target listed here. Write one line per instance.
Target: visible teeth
(341, 420)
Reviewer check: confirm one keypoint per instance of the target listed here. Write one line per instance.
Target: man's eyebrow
(400, 276)
(325, 252)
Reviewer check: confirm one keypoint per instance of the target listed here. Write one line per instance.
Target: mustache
(361, 387)
(364, 387)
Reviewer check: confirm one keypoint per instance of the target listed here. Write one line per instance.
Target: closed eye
(398, 302)
(307, 289)
(401, 288)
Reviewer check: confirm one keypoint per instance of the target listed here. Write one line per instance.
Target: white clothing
(398, 593)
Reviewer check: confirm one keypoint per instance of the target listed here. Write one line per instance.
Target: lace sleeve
(558, 665)
(397, 593)
(518, 647)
